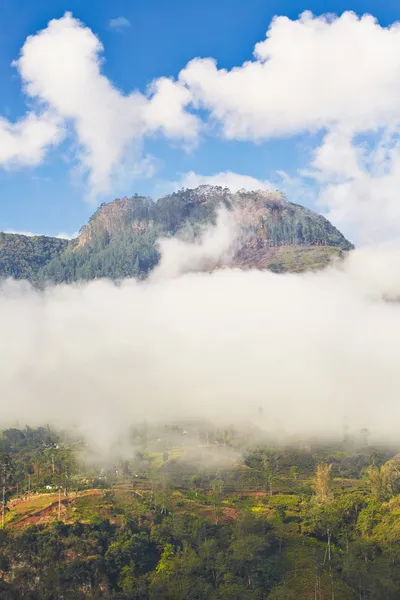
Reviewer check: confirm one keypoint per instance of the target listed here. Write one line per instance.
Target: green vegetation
(179, 517)
(296, 259)
(131, 255)
(120, 239)
(22, 256)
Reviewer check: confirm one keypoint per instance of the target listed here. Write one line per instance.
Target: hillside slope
(22, 256)
(201, 513)
(120, 238)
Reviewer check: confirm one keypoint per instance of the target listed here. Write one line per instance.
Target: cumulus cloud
(61, 69)
(336, 75)
(308, 74)
(26, 141)
(119, 23)
(358, 184)
(229, 179)
(311, 350)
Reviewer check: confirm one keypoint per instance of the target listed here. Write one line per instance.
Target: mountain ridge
(120, 238)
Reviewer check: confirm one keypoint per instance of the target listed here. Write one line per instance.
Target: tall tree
(322, 482)
(6, 469)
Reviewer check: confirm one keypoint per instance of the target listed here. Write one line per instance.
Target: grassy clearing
(298, 258)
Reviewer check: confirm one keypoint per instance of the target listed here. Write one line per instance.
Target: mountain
(120, 239)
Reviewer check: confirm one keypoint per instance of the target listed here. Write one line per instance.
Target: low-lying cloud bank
(312, 350)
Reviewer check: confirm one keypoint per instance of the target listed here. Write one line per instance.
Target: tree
(322, 482)
(6, 470)
(270, 467)
(325, 511)
(217, 485)
(165, 564)
(63, 462)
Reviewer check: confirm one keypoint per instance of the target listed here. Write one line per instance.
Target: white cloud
(27, 233)
(67, 236)
(216, 246)
(308, 74)
(164, 111)
(26, 141)
(336, 75)
(209, 346)
(119, 23)
(61, 68)
(233, 181)
(63, 235)
(359, 185)
(340, 75)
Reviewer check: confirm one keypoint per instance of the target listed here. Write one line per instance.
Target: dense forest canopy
(189, 511)
(22, 256)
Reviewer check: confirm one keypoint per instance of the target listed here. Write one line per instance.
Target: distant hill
(120, 238)
(22, 256)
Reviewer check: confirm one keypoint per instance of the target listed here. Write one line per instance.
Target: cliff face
(117, 218)
(120, 238)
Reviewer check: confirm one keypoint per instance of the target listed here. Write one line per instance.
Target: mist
(295, 354)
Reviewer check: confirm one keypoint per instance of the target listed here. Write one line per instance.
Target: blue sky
(54, 190)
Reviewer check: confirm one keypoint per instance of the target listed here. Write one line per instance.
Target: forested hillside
(22, 256)
(120, 238)
(199, 513)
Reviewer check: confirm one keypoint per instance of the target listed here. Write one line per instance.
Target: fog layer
(296, 353)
